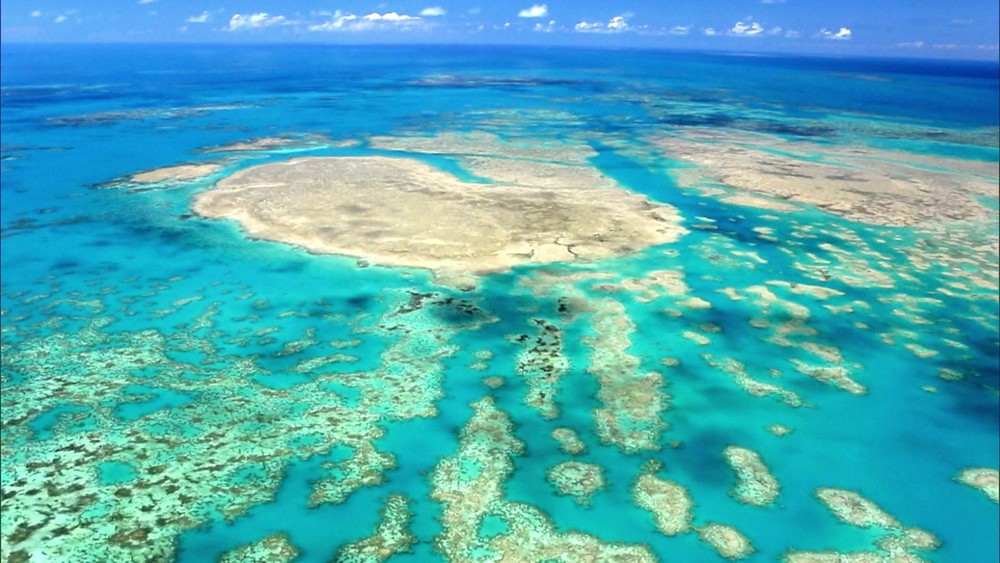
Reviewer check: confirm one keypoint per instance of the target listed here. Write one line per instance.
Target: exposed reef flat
(542, 364)
(176, 173)
(402, 212)
(578, 480)
(569, 441)
(752, 386)
(862, 184)
(478, 143)
(146, 487)
(532, 162)
(176, 389)
(392, 536)
(669, 502)
(632, 400)
(272, 549)
(851, 508)
(181, 174)
(278, 144)
(469, 484)
(983, 478)
(754, 483)
(892, 541)
(119, 116)
(727, 541)
(167, 177)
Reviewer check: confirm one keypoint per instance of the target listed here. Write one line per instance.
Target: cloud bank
(341, 21)
(617, 24)
(252, 21)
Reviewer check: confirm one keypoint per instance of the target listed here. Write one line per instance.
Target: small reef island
(403, 212)
(624, 309)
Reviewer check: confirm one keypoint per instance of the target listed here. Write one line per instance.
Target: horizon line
(654, 48)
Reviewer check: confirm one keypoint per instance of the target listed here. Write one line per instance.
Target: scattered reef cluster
(574, 315)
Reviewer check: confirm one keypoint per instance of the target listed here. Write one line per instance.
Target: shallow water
(173, 390)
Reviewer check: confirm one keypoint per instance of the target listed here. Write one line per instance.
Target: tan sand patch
(177, 173)
(402, 212)
(863, 184)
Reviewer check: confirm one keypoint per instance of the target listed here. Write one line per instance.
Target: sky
(959, 29)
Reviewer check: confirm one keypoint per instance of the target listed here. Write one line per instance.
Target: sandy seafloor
(174, 391)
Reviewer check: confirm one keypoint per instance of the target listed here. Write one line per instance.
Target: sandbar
(403, 212)
(177, 173)
(985, 479)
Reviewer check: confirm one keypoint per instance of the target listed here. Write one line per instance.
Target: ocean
(174, 389)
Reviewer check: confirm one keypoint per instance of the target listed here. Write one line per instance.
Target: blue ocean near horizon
(223, 324)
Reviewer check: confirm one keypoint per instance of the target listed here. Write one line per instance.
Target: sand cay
(180, 172)
(402, 212)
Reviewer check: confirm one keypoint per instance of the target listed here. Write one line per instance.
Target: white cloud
(204, 17)
(710, 31)
(774, 30)
(680, 30)
(374, 21)
(260, 19)
(339, 21)
(474, 11)
(146, 1)
(60, 18)
(36, 14)
(390, 17)
(617, 24)
(433, 11)
(746, 29)
(911, 44)
(535, 11)
(841, 35)
(792, 34)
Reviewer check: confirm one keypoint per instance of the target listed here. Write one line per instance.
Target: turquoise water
(183, 391)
